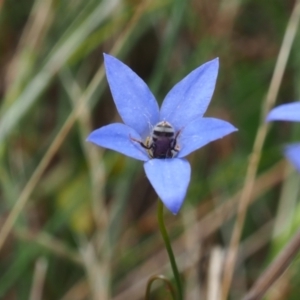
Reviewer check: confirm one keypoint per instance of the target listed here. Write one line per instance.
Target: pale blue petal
(292, 153)
(170, 179)
(117, 137)
(190, 98)
(285, 112)
(201, 132)
(135, 102)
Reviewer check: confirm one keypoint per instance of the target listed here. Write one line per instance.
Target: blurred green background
(79, 222)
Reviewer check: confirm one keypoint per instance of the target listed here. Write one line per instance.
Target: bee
(162, 143)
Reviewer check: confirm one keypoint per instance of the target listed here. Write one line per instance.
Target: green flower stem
(163, 231)
(165, 280)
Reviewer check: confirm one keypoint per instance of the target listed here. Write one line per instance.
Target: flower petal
(117, 137)
(285, 112)
(135, 102)
(170, 179)
(190, 98)
(200, 132)
(292, 153)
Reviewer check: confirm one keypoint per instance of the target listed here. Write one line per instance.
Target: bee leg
(176, 148)
(177, 134)
(141, 143)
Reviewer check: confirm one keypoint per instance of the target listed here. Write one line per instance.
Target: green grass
(89, 214)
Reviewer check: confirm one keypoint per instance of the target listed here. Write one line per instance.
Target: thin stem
(248, 188)
(275, 270)
(164, 233)
(166, 281)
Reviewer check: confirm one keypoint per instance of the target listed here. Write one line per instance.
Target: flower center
(162, 143)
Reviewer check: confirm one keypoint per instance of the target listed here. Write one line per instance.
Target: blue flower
(162, 138)
(288, 112)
